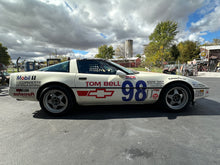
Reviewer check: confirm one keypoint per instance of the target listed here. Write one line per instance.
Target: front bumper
(201, 93)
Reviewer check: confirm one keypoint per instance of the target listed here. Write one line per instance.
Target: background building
(128, 48)
(124, 55)
(212, 54)
(128, 62)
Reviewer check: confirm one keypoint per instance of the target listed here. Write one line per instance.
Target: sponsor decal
(26, 77)
(28, 83)
(196, 85)
(155, 94)
(105, 83)
(155, 83)
(24, 94)
(98, 93)
(22, 90)
(176, 78)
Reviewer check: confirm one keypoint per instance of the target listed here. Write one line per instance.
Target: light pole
(17, 64)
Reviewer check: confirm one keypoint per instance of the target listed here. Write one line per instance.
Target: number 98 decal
(128, 90)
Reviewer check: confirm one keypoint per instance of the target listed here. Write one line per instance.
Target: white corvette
(100, 82)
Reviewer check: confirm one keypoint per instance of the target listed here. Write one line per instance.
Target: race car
(59, 88)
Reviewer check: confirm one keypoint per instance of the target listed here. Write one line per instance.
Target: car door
(99, 82)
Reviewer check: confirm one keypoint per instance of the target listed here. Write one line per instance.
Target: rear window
(61, 67)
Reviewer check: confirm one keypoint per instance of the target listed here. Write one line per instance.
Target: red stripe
(82, 93)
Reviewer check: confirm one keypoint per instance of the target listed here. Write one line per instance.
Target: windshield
(61, 67)
(123, 68)
(6, 73)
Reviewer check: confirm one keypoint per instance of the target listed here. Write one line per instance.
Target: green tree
(4, 56)
(216, 41)
(105, 52)
(160, 41)
(188, 50)
(138, 55)
(151, 52)
(164, 33)
(174, 52)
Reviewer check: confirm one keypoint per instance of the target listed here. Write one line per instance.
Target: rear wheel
(56, 100)
(176, 97)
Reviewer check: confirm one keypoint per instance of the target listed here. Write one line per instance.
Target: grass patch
(153, 69)
(12, 70)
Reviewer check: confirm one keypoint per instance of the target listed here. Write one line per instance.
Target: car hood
(171, 78)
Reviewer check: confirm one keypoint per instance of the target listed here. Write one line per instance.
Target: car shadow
(203, 107)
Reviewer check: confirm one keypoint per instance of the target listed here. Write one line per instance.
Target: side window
(107, 68)
(95, 67)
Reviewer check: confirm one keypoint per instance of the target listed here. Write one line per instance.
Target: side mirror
(120, 73)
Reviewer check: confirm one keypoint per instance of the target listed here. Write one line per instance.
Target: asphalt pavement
(108, 135)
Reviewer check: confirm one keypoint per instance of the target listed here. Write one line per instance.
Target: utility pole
(17, 64)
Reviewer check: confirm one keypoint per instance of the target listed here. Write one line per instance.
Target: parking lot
(108, 135)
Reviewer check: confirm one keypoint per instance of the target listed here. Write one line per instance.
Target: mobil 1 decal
(138, 92)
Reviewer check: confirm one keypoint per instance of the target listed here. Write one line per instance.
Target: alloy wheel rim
(55, 101)
(177, 98)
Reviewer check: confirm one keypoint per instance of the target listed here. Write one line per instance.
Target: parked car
(170, 69)
(6, 75)
(187, 69)
(60, 87)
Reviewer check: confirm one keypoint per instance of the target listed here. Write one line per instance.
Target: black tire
(56, 100)
(175, 97)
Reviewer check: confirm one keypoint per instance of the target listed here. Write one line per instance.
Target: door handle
(82, 78)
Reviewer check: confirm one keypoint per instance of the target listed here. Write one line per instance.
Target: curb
(209, 74)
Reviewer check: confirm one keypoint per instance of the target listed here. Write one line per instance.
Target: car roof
(95, 59)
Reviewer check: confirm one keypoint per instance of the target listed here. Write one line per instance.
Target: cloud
(209, 22)
(35, 28)
(187, 35)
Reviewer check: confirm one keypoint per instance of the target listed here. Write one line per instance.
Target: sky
(36, 29)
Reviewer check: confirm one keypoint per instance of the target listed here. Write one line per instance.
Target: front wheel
(56, 100)
(175, 97)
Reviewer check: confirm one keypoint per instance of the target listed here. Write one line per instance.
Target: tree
(120, 51)
(105, 52)
(160, 41)
(189, 50)
(164, 33)
(174, 52)
(216, 41)
(4, 57)
(151, 52)
(138, 55)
